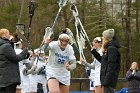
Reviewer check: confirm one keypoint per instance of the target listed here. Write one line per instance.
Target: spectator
(110, 61)
(9, 68)
(95, 83)
(133, 78)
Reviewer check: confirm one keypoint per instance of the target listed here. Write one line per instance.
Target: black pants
(109, 89)
(9, 89)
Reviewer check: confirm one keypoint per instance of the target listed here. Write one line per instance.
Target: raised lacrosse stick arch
(79, 24)
(61, 4)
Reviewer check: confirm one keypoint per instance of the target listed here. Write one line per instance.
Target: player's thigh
(64, 89)
(53, 86)
(98, 89)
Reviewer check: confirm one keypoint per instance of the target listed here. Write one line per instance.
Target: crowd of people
(26, 71)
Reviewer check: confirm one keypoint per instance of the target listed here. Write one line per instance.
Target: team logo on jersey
(61, 58)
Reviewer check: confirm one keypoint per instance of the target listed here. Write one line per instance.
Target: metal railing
(82, 80)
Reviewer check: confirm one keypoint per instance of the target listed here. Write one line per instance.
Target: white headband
(64, 36)
(98, 39)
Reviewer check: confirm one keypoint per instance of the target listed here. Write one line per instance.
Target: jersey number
(61, 61)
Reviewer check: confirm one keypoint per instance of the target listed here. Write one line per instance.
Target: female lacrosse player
(24, 86)
(95, 83)
(58, 68)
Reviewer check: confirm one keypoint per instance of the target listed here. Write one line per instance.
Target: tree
(138, 27)
(128, 32)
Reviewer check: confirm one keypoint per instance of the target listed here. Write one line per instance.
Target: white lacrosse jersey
(41, 78)
(57, 60)
(24, 86)
(95, 74)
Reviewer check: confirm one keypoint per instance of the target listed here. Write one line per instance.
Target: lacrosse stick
(42, 46)
(20, 30)
(61, 4)
(80, 35)
(72, 1)
(79, 24)
(32, 7)
(81, 43)
(72, 39)
(48, 34)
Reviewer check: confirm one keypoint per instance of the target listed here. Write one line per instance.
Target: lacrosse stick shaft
(75, 14)
(51, 31)
(61, 4)
(79, 45)
(56, 19)
(31, 13)
(85, 33)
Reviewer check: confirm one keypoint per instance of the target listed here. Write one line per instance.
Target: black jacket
(133, 81)
(9, 68)
(110, 64)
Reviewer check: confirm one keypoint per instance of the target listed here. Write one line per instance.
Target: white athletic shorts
(42, 79)
(25, 85)
(33, 83)
(97, 81)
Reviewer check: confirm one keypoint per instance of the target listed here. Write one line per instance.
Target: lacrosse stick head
(62, 3)
(72, 1)
(20, 28)
(47, 32)
(74, 10)
(38, 51)
(70, 34)
(32, 6)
